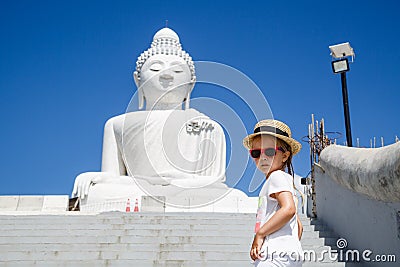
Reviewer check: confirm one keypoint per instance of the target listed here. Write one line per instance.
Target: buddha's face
(164, 79)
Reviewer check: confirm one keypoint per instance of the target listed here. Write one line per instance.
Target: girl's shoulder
(279, 174)
(279, 179)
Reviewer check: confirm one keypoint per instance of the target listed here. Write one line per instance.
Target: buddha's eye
(156, 67)
(177, 69)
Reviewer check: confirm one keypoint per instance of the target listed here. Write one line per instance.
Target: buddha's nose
(166, 80)
(166, 76)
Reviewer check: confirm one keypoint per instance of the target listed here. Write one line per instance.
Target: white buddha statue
(164, 150)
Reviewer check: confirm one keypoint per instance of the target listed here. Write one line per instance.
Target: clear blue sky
(66, 67)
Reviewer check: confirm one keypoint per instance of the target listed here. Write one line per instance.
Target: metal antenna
(166, 23)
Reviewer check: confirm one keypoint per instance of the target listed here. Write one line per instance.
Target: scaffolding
(318, 139)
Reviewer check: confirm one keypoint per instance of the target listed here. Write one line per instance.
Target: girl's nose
(263, 156)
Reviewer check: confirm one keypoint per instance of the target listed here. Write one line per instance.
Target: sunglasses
(269, 152)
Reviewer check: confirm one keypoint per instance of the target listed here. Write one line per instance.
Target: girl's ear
(286, 156)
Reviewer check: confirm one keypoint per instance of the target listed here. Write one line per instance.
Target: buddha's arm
(213, 159)
(219, 167)
(111, 157)
(212, 164)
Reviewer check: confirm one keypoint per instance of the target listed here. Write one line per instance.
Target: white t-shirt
(286, 238)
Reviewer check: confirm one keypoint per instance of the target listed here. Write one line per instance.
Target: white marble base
(34, 203)
(215, 198)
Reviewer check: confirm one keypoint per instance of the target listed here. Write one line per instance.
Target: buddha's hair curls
(165, 46)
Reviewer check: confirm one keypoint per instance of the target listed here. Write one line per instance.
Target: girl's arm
(299, 224)
(277, 221)
(299, 227)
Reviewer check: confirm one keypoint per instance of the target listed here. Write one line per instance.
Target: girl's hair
(289, 166)
(288, 163)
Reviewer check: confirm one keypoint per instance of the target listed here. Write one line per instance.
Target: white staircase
(319, 239)
(139, 239)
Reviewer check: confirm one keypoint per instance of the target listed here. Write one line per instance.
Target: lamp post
(341, 52)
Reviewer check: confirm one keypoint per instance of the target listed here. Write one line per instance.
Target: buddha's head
(165, 74)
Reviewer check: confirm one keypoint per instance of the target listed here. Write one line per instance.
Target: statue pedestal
(215, 198)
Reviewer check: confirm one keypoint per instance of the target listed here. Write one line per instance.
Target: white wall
(366, 223)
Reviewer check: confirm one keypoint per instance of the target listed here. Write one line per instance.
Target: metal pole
(346, 109)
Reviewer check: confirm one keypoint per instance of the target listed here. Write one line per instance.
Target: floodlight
(342, 50)
(341, 65)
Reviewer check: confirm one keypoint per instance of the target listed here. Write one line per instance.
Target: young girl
(278, 230)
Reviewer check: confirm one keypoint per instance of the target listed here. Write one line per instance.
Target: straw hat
(274, 128)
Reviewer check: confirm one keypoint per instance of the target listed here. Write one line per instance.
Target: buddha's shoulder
(140, 117)
(131, 116)
(113, 121)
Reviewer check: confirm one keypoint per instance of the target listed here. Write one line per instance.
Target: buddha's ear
(140, 91)
(187, 100)
(136, 78)
(140, 98)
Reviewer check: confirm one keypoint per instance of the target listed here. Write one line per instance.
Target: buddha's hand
(199, 124)
(83, 182)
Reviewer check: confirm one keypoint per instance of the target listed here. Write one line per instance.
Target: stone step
(171, 263)
(316, 234)
(124, 263)
(35, 230)
(126, 215)
(122, 239)
(321, 241)
(324, 264)
(146, 233)
(132, 232)
(319, 227)
(34, 247)
(11, 237)
(127, 255)
(144, 215)
(130, 222)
